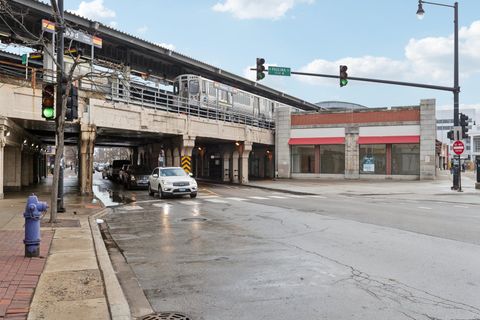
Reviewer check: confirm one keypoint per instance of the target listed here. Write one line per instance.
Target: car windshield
(174, 172)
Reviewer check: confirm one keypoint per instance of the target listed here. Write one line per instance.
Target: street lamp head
(420, 11)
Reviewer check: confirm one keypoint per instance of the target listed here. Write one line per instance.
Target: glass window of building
(406, 159)
(373, 158)
(332, 158)
(303, 159)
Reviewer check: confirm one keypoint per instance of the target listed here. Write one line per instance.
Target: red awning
(391, 139)
(332, 140)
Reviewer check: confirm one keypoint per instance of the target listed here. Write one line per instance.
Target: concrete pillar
(30, 168)
(188, 143)
(235, 173)
(282, 135)
(3, 142)
(87, 145)
(226, 166)
(244, 156)
(176, 157)
(24, 171)
(352, 153)
(428, 136)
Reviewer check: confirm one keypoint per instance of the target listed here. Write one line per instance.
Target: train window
(194, 87)
(176, 88)
(204, 86)
(211, 90)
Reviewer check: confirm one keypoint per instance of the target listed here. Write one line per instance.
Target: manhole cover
(166, 316)
(194, 219)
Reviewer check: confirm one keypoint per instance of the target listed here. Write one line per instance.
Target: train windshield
(193, 87)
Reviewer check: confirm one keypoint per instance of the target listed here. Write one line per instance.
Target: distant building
(339, 105)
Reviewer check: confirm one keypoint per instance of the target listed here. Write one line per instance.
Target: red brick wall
(356, 117)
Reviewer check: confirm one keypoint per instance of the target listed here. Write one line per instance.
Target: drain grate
(166, 316)
(194, 219)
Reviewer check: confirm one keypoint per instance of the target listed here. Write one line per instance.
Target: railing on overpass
(118, 90)
(159, 99)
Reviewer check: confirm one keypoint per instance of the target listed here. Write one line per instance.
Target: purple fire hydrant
(33, 214)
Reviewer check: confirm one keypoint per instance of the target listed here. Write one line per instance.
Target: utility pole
(60, 81)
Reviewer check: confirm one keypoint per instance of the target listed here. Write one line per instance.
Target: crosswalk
(214, 199)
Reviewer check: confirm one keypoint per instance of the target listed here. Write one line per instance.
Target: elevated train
(204, 95)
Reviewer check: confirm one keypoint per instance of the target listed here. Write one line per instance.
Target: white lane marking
(236, 199)
(426, 208)
(130, 208)
(296, 196)
(189, 202)
(207, 197)
(216, 200)
(464, 207)
(278, 197)
(147, 201)
(259, 198)
(316, 196)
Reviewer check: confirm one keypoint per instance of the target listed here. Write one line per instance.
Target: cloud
(255, 9)
(426, 60)
(142, 30)
(168, 46)
(94, 10)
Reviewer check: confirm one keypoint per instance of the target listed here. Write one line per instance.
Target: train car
(212, 95)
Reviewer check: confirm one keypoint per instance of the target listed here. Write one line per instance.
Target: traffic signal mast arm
(399, 83)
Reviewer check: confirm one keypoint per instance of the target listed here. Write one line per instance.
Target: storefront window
(406, 159)
(373, 158)
(332, 158)
(303, 159)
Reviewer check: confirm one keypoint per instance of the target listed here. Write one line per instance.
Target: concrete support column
(188, 144)
(247, 148)
(226, 166)
(176, 157)
(282, 149)
(352, 153)
(30, 168)
(235, 173)
(3, 141)
(24, 171)
(168, 158)
(428, 136)
(87, 145)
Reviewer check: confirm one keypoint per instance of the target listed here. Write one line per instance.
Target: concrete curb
(116, 300)
(259, 187)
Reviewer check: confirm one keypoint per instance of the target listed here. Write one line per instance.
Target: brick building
(385, 143)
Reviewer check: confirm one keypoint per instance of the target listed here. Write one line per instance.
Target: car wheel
(150, 191)
(160, 192)
(193, 195)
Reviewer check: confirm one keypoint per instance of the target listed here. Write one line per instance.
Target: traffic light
(48, 102)
(260, 68)
(343, 76)
(464, 125)
(72, 104)
(451, 135)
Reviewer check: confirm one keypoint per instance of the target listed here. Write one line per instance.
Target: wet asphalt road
(244, 253)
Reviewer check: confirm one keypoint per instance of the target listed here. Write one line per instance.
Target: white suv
(171, 181)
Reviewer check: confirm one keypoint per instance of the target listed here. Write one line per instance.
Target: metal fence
(159, 99)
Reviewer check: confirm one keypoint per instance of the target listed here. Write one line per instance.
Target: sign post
(458, 148)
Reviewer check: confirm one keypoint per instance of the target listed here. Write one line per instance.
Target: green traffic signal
(48, 113)
(343, 76)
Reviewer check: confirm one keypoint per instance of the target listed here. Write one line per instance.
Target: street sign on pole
(458, 147)
(279, 71)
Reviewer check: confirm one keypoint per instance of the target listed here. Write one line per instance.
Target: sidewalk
(66, 282)
(434, 190)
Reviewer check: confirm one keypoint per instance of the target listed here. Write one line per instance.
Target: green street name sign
(279, 71)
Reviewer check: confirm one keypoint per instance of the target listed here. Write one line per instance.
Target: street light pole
(456, 86)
